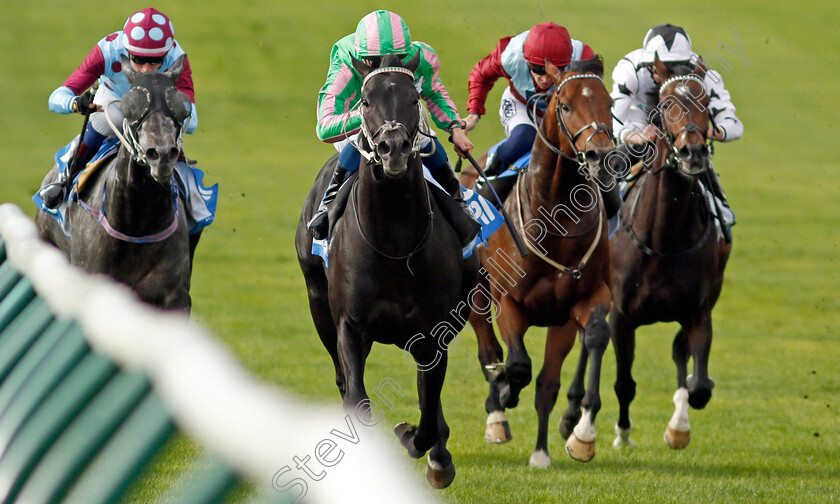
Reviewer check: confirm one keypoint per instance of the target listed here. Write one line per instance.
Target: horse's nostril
(173, 153)
(383, 148)
(152, 154)
(685, 153)
(405, 147)
(592, 157)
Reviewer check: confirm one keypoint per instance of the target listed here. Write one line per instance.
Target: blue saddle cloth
(200, 201)
(483, 212)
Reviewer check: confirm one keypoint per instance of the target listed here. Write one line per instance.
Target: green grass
(771, 432)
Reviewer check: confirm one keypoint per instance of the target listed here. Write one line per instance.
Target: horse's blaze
(677, 439)
(581, 451)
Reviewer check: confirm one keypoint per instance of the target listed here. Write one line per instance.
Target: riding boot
(464, 225)
(716, 188)
(319, 224)
(53, 194)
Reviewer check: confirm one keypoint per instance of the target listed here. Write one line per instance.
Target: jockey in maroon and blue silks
(147, 41)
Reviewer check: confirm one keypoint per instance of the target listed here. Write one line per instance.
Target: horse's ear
(555, 73)
(360, 67)
(128, 70)
(175, 70)
(660, 68)
(700, 68)
(413, 63)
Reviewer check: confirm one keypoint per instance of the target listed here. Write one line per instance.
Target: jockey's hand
(84, 105)
(471, 121)
(642, 137)
(460, 141)
(714, 133)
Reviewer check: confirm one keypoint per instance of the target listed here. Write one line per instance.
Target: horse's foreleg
(596, 336)
(512, 326)
(352, 351)
(418, 439)
(624, 342)
(695, 390)
(491, 357)
(440, 471)
(571, 416)
(558, 343)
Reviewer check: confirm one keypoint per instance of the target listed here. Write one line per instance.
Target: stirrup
(54, 193)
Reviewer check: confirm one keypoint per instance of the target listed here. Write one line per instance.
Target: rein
(661, 255)
(576, 272)
(424, 240)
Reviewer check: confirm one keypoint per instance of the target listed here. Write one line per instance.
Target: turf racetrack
(771, 432)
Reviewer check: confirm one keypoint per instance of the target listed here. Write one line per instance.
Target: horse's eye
(564, 108)
(365, 102)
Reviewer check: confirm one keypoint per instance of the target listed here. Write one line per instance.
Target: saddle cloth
(199, 200)
(482, 211)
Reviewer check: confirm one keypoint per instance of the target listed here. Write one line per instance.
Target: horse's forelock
(593, 65)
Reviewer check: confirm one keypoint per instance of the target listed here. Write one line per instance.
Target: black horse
(667, 260)
(396, 273)
(128, 221)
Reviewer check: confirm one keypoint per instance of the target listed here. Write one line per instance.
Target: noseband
(387, 126)
(578, 156)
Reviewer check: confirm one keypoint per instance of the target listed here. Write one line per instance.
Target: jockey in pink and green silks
(378, 34)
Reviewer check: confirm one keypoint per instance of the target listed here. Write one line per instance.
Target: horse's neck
(387, 206)
(134, 202)
(557, 190)
(674, 203)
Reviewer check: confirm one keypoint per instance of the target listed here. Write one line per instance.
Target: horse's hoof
(540, 459)
(498, 428)
(677, 439)
(405, 433)
(440, 476)
(581, 451)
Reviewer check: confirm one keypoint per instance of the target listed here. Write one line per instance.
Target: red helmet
(548, 41)
(148, 32)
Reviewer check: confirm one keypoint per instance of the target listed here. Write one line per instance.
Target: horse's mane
(594, 65)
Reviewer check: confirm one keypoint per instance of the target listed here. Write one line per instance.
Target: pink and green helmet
(381, 33)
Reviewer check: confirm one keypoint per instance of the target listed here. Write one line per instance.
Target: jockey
(381, 33)
(147, 41)
(521, 60)
(635, 95)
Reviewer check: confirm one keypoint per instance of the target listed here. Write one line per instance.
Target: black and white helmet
(670, 42)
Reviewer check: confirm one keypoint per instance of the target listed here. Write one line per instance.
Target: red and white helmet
(548, 41)
(148, 32)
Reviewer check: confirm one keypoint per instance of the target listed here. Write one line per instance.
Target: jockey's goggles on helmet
(537, 69)
(143, 60)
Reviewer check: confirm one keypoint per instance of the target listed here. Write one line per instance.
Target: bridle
(369, 153)
(674, 158)
(131, 128)
(577, 155)
(372, 157)
(131, 143)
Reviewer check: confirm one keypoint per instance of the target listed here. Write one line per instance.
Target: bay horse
(667, 261)
(564, 283)
(128, 222)
(396, 274)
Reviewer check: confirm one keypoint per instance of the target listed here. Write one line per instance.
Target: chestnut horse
(667, 261)
(564, 283)
(396, 271)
